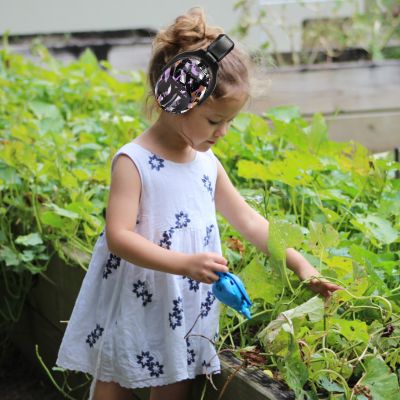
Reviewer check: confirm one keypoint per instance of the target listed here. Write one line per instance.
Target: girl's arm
(121, 214)
(254, 228)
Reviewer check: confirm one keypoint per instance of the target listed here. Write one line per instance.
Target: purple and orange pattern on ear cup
(182, 85)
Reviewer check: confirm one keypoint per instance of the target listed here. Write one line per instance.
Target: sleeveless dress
(129, 323)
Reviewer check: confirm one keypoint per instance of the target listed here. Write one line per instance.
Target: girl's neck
(164, 139)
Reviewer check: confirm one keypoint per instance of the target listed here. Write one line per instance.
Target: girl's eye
(216, 123)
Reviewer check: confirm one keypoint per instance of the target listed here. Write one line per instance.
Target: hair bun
(191, 27)
(189, 31)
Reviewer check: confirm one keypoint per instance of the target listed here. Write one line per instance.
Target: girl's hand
(202, 267)
(322, 286)
(306, 272)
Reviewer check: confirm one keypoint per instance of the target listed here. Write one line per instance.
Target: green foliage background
(335, 202)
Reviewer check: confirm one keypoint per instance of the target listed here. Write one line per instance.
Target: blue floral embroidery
(156, 162)
(191, 356)
(140, 288)
(208, 234)
(175, 318)
(193, 285)
(113, 262)
(146, 361)
(207, 185)
(206, 306)
(94, 335)
(182, 220)
(166, 242)
(156, 369)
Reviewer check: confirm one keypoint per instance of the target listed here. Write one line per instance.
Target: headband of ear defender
(190, 77)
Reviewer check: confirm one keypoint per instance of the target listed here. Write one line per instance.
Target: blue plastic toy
(229, 289)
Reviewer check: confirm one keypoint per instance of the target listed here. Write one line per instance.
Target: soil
(20, 381)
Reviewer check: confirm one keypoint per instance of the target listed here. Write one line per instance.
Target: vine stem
(346, 387)
(241, 323)
(66, 395)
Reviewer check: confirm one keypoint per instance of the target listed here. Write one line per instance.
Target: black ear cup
(190, 77)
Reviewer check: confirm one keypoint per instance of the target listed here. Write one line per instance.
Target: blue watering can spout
(229, 289)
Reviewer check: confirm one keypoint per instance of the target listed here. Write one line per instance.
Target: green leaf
(295, 371)
(52, 219)
(44, 110)
(28, 255)
(322, 236)
(259, 283)
(88, 57)
(63, 212)
(376, 227)
(252, 170)
(295, 169)
(32, 239)
(9, 256)
(351, 330)
(283, 113)
(383, 384)
(9, 175)
(330, 386)
(313, 308)
(283, 235)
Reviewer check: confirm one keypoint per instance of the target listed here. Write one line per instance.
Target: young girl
(149, 279)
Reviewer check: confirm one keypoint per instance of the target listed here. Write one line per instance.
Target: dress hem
(139, 384)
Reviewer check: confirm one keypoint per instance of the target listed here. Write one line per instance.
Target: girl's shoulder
(145, 158)
(131, 150)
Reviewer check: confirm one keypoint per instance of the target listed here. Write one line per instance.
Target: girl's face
(209, 122)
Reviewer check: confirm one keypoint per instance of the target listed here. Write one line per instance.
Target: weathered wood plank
(378, 131)
(350, 87)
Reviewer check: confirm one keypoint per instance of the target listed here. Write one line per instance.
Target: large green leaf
(282, 235)
(313, 308)
(29, 240)
(259, 283)
(376, 228)
(382, 384)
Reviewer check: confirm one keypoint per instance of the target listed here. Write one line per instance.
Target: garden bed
(334, 202)
(49, 305)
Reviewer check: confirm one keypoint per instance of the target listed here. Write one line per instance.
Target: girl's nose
(222, 130)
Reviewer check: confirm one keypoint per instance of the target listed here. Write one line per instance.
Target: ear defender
(190, 77)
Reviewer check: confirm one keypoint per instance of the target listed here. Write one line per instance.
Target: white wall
(52, 16)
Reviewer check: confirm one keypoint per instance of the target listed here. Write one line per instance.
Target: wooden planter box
(49, 303)
(360, 99)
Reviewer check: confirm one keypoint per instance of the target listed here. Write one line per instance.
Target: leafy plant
(59, 127)
(338, 205)
(335, 202)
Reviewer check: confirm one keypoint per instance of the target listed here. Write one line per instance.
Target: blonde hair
(191, 32)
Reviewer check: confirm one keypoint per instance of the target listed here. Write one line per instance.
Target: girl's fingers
(222, 261)
(333, 287)
(213, 277)
(221, 268)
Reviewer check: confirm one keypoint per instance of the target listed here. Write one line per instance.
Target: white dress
(129, 323)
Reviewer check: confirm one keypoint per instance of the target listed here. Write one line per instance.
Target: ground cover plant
(334, 202)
